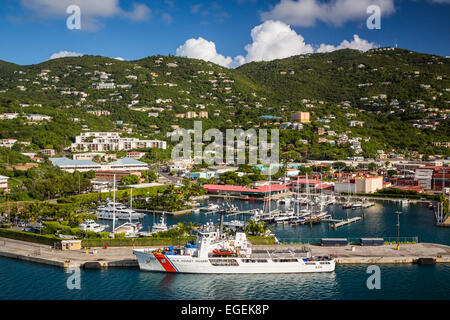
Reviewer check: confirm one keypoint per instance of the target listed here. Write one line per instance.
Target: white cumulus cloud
(63, 54)
(270, 40)
(306, 13)
(357, 43)
(91, 11)
(205, 50)
(275, 40)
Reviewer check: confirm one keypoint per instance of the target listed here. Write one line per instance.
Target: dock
(170, 213)
(123, 257)
(345, 222)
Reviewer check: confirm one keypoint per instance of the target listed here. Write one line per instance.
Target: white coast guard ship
(213, 252)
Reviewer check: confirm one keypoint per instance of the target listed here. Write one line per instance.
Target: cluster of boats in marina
(296, 209)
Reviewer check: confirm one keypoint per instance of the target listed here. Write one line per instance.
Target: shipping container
(334, 242)
(372, 241)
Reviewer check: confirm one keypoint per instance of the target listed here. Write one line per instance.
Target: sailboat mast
(114, 204)
(270, 195)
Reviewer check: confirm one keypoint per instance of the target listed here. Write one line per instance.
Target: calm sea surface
(21, 280)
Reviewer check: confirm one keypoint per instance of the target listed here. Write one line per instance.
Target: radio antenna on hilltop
(395, 43)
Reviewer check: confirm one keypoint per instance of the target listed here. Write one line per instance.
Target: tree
(149, 176)
(131, 179)
(372, 166)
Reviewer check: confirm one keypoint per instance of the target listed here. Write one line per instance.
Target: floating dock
(345, 222)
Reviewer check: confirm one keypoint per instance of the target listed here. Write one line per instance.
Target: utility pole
(398, 229)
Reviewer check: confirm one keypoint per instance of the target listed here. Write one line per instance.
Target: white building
(3, 183)
(38, 117)
(106, 85)
(111, 141)
(425, 176)
(7, 143)
(8, 116)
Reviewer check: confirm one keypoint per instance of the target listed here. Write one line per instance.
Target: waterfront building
(441, 178)
(238, 190)
(425, 176)
(367, 184)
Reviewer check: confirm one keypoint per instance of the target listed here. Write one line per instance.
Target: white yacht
(120, 211)
(367, 204)
(91, 225)
(285, 201)
(284, 217)
(130, 229)
(357, 204)
(161, 226)
(234, 224)
(211, 207)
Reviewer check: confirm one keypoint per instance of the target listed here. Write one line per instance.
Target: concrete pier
(122, 257)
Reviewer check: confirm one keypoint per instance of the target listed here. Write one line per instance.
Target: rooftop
(128, 161)
(69, 162)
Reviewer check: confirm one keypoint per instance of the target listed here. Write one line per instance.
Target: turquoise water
(20, 280)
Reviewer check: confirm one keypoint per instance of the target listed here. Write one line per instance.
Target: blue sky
(220, 31)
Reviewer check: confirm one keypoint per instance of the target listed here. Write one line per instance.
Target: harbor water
(22, 280)
(380, 221)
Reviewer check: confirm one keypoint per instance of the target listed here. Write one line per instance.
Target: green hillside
(391, 91)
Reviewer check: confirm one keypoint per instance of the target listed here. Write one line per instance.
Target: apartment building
(111, 141)
(300, 117)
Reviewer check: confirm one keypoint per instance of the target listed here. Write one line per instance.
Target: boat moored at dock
(117, 210)
(214, 252)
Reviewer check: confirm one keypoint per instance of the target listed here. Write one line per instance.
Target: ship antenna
(221, 224)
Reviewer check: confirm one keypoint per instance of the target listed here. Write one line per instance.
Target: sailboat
(129, 228)
(348, 204)
(267, 214)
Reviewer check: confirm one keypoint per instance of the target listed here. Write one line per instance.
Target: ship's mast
(114, 204)
(131, 205)
(270, 190)
(221, 224)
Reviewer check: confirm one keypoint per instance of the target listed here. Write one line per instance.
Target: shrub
(30, 237)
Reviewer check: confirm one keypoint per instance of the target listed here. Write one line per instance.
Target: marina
(417, 225)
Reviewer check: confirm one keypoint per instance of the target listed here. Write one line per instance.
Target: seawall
(123, 257)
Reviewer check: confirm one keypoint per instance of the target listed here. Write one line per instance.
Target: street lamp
(398, 228)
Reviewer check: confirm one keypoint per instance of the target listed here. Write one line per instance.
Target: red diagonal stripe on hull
(165, 263)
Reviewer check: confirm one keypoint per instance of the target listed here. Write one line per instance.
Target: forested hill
(344, 75)
(402, 98)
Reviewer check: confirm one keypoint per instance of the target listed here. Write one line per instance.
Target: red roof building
(263, 190)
